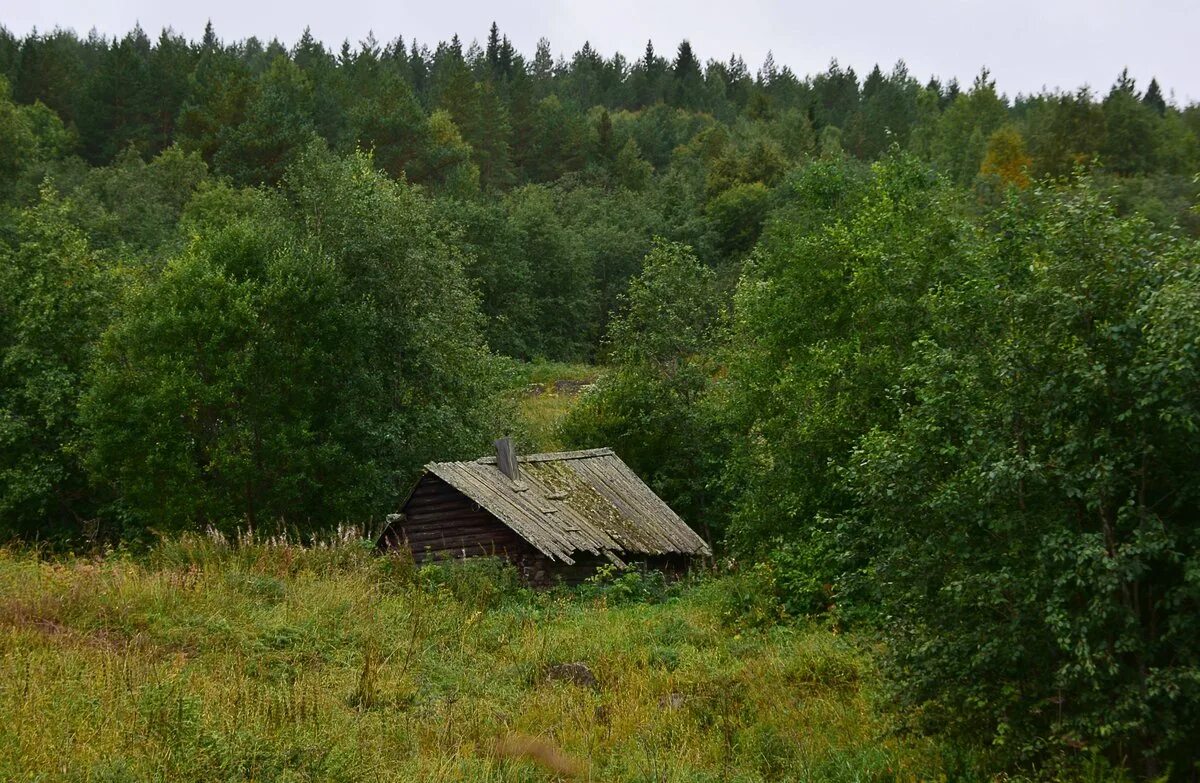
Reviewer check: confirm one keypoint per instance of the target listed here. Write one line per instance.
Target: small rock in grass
(576, 673)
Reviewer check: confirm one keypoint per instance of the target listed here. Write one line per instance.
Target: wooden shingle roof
(575, 501)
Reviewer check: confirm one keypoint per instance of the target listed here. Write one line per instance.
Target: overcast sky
(1027, 44)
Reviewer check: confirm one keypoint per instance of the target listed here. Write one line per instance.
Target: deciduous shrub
(1033, 505)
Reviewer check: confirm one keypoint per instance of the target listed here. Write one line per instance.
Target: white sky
(1027, 44)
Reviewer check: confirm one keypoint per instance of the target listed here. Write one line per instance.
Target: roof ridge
(549, 456)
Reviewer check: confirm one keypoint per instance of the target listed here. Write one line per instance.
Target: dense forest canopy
(929, 354)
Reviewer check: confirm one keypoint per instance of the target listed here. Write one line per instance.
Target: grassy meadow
(201, 661)
(547, 391)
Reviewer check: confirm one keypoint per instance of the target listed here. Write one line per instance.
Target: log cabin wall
(440, 523)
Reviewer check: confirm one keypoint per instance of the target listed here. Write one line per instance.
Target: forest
(923, 357)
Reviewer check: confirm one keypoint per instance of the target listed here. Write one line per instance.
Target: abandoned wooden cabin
(557, 517)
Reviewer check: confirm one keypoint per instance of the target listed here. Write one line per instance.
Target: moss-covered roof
(575, 501)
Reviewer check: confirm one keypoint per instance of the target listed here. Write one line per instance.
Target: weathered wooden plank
(506, 458)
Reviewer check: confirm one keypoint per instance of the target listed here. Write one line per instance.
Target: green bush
(748, 598)
(1031, 507)
(627, 585)
(482, 582)
(798, 569)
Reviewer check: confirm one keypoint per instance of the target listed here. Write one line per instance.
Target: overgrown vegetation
(925, 361)
(975, 434)
(201, 661)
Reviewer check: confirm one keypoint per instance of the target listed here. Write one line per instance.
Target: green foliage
(559, 274)
(277, 126)
(738, 215)
(1065, 131)
(286, 371)
(1031, 507)
(669, 314)
(626, 585)
(653, 407)
(16, 141)
(825, 316)
(389, 121)
(30, 137)
(960, 143)
(630, 169)
(221, 89)
(446, 164)
(482, 582)
(132, 208)
(1129, 130)
(748, 598)
(553, 141)
(800, 570)
(55, 297)
(215, 398)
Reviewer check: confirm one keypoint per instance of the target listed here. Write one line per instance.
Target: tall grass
(547, 390)
(543, 372)
(541, 413)
(206, 661)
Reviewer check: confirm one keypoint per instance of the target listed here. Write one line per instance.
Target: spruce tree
(1154, 98)
(687, 90)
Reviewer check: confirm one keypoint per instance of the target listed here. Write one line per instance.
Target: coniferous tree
(960, 143)
(1129, 125)
(277, 126)
(418, 67)
(492, 54)
(119, 110)
(1065, 131)
(647, 78)
(687, 90)
(604, 138)
(391, 124)
(53, 69)
(1154, 98)
(171, 62)
(221, 89)
(837, 94)
(543, 69)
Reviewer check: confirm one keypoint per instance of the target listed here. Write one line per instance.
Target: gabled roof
(575, 501)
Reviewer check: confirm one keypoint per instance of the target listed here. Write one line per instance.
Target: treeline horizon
(68, 74)
(400, 47)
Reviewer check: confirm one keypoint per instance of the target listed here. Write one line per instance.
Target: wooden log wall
(440, 523)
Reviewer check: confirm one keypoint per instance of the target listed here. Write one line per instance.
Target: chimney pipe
(506, 458)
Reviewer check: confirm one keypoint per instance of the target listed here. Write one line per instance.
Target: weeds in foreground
(204, 661)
